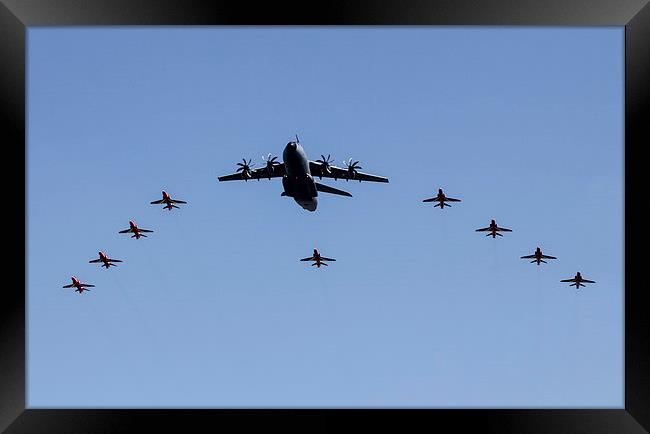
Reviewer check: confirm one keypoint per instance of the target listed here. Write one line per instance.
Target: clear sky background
(525, 125)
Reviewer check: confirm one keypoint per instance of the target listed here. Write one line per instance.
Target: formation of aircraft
(297, 173)
(493, 229)
(319, 260)
(441, 199)
(168, 201)
(538, 257)
(137, 232)
(80, 287)
(578, 281)
(106, 261)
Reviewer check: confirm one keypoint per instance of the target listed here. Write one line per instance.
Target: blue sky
(214, 309)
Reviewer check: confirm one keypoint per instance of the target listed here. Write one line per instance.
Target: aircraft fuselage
(298, 182)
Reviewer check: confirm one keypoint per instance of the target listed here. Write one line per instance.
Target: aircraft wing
(68, 286)
(433, 199)
(157, 202)
(311, 258)
(178, 201)
(339, 173)
(259, 173)
(483, 229)
(451, 199)
(145, 230)
(94, 261)
(588, 281)
(125, 231)
(504, 229)
(568, 280)
(528, 257)
(88, 285)
(548, 257)
(115, 260)
(323, 258)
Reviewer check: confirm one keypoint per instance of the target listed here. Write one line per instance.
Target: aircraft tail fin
(327, 189)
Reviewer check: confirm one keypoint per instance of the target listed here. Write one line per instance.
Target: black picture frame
(17, 15)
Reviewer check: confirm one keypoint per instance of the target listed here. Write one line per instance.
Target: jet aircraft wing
(483, 229)
(339, 173)
(548, 257)
(528, 257)
(258, 173)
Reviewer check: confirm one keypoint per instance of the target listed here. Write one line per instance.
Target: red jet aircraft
(168, 201)
(538, 257)
(81, 287)
(318, 258)
(107, 262)
(137, 232)
(441, 198)
(493, 229)
(578, 281)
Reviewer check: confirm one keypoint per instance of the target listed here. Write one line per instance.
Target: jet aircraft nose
(292, 145)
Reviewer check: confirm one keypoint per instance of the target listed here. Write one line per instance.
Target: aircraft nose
(291, 145)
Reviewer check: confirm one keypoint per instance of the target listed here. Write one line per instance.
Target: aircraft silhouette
(107, 262)
(318, 258)
(538, 257)
(297, 173)
(578, 280)
(81, 287)
(441, 198)
(493, 229)
(137, 232)
(166, 199)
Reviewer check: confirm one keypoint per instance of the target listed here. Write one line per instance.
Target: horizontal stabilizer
(327, 189)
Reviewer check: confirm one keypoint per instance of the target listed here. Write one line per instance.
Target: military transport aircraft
(297, 173)
(538, 256)
(137, 232)
(107, 262)
(166, 199)
(578, 281)
(318, 258)
(493, 229)
(442, 199)
(81, 287)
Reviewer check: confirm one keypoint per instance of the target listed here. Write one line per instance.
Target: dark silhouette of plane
(441, 198)
(493, 229)
(81, 287)
(318, 258)
(578, 281)
(107, 262)
(297, 173)
(168, 201)
(137, 232)
(538, 257)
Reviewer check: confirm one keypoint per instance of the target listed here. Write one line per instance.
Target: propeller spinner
(352, 168)
(270, 164)
(245, 169)
(325, 165)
